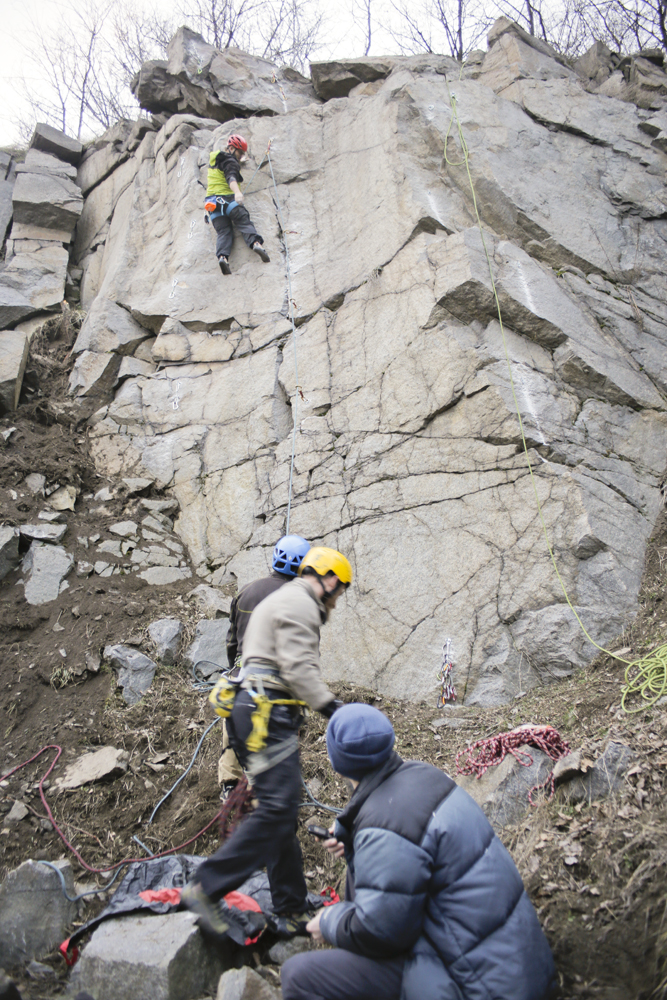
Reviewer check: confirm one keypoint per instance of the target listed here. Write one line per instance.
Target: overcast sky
(20, 17)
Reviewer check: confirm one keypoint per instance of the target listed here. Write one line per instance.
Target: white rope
(291, 316)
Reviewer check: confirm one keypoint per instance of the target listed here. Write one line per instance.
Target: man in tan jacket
(281, 663)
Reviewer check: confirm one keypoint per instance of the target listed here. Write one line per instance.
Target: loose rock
(166, 635)
(606, 777)
(209, 645)
(103, 764)
(502, 791)
(46, 567)
(9, 549)
(135, 671)
(244, 984)
(44, 532)
(211, 601)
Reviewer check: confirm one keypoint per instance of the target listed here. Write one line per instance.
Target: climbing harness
(216, 206)
(223, 697)
(493, 751)
(646, 676)
(447, 689)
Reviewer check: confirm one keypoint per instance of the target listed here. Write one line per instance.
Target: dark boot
(224, 265)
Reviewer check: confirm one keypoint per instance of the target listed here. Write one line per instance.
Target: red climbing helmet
(238, 142)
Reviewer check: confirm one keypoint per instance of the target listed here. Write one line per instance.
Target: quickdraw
(447, 689)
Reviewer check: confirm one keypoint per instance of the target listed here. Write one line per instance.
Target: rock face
(35, 912)
(409, 454)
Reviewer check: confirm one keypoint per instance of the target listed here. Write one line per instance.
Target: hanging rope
(291, 316)
(493, 751)
(646, 675)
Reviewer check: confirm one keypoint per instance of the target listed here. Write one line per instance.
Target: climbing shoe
(261, 252)
(213, 916)
(289, 925)
(224, 265)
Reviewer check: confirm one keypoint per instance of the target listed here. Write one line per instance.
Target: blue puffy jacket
(432, 879)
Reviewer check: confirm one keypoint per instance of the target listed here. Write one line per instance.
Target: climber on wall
(434, 905)
(280, 675)
(224, 202)
(288, 553)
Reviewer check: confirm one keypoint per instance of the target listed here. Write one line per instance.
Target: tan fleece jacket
(284, 632)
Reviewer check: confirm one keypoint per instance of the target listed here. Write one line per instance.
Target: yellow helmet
(324, 561)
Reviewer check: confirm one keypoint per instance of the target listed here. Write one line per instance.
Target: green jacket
(219, 176)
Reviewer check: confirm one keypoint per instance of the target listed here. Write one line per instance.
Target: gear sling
(223, 696)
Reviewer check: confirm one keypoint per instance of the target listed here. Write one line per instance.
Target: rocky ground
(595, 872)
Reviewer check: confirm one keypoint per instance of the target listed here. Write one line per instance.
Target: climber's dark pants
(223, 227)
(267, 838)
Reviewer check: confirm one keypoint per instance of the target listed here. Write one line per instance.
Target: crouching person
(436, 909)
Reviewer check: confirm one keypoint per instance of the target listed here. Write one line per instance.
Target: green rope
(646, 676)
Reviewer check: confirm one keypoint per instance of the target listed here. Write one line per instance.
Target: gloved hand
(332, 707)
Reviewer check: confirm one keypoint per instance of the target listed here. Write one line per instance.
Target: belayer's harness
(223, 697)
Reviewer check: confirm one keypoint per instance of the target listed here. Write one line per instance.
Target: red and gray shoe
(224, 265)
(261, 252)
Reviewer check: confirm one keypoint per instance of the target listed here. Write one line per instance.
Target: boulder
(200, 80)
(14, 349)
(515, 55)
(45, 567)
(102, 765)
(32, 282)
(605, 778)
(35, 912)
(109, 327)
(9, 549)
(176, 343)
(126, 529)
(337, 78)
(135, 671)
(209, 645)
(502, 791)
(166, 635)
(94, 374)
(43, 163)
(156, 957)
(49, 140)
(64, 498)
(50, 201)
(244, 984)
(7, 179)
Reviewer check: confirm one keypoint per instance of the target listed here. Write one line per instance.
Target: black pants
(266, 838)
(336, 974)
(223, 227)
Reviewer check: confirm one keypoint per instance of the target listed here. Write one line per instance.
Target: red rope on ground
(493, 751)
(238, 803)
(118, 864)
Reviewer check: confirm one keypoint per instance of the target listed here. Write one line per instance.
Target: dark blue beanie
(359, 739)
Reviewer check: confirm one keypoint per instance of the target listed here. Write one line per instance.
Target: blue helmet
(288, 554)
